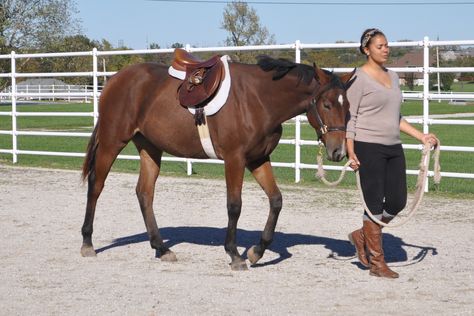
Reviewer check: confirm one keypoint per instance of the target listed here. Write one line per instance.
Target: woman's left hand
(429, 139)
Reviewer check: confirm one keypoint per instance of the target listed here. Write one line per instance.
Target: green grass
(455, 87)
(450, 161)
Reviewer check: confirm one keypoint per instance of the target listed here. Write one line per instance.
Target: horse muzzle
(336, 151)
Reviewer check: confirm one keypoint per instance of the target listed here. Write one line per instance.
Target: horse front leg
(150, 163)
(234, 175)
(263, 173)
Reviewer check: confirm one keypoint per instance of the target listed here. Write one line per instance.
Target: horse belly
(174, 133)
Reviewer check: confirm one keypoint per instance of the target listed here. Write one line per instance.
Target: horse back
(142, 98)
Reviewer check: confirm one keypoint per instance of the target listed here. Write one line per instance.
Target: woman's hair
(367, 37)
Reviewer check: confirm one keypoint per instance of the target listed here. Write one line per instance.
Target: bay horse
(140, 104)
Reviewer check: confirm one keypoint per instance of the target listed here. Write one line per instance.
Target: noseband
(323, 128)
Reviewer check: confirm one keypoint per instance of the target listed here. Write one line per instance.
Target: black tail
(89, 161)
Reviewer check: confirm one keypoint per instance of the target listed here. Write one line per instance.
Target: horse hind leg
(103, 157)
(263, 173)
(150, 164)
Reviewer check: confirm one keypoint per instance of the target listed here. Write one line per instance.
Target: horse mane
(283, 66)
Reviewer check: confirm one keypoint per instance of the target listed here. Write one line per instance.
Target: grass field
(449, 135)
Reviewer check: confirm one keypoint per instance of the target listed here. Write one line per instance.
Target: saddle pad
(216, 103)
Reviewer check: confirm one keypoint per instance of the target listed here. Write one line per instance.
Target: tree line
(32, 26)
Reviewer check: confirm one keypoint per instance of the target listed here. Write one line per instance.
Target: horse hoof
(239, 266)
(252, 255)
(88, 251)
(168, 256)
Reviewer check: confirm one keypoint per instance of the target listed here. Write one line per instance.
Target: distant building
(412, 59)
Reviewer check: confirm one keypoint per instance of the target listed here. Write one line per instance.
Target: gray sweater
(375, 110)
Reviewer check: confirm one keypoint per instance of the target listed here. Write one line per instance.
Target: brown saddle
(202, 79)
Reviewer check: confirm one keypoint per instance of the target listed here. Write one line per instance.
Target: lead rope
(420, 184)
(321, 174)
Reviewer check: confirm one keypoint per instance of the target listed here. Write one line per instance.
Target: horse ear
(315, 72)
(320, 75)
(346, 79)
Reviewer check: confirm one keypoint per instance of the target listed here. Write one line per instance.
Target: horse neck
(293, 101)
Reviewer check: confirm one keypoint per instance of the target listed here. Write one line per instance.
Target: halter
(323, 129)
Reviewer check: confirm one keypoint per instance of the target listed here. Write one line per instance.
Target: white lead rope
(420, 184)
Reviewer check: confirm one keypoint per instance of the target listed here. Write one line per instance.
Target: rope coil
(420, 183)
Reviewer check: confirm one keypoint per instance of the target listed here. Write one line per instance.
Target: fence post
(426, 89)
(95, 88)
(14, 122)
(297, 124)
(189, 164)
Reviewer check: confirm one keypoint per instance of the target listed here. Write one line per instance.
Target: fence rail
(15, 95)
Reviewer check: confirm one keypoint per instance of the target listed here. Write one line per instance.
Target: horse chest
(266, 143)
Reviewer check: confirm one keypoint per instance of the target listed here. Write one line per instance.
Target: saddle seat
(183, 60)
(202, 79)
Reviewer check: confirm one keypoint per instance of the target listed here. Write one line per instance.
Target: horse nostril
(337, 155)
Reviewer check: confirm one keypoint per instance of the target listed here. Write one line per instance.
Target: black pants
(382, 174)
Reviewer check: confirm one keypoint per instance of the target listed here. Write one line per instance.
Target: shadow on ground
(339, 249)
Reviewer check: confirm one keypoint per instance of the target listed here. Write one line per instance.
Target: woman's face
(378, 49)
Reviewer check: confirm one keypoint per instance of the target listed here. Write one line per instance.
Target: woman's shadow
(339, 249)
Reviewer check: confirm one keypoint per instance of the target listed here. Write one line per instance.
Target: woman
(374, 146)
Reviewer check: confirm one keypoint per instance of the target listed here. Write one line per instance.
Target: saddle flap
(201, 83)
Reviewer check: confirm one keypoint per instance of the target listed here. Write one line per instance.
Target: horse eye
(327, 105)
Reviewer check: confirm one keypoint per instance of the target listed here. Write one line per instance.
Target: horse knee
(276, 202)
(234, 208)
(144, 194)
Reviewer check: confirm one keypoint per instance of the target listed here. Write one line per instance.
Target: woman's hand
(355, 163)
(429, 139)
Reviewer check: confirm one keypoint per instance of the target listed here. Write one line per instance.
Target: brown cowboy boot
(373, 240)
(357, 239)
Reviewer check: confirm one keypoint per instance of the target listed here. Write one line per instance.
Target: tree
(35, 24)
(177, 45)
(29, 25)
(410, 80)
(243, 25)
(446, 80)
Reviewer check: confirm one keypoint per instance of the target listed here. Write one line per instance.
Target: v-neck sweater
(374, 109)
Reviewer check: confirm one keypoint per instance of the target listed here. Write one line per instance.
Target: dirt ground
(309, 270)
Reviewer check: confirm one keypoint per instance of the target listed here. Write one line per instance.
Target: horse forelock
(334, 81)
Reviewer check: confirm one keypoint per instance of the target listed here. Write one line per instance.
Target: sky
(138, 23)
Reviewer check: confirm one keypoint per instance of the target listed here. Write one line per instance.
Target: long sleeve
(354, 96)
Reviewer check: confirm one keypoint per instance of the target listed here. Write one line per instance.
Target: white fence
(14, 95)
(55, 92)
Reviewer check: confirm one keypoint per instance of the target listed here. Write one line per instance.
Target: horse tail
(89, 161)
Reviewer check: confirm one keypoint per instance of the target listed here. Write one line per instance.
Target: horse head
(328, 111)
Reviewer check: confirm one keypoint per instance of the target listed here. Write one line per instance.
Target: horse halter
(323, 128)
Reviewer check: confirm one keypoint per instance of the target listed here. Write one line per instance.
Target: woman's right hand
(355, 163)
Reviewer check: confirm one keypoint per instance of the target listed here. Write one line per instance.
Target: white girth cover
(216, 103)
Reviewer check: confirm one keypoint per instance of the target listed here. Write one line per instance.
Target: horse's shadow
(339, 249)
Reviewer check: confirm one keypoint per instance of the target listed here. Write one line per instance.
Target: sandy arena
(309, 270)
